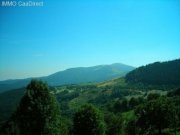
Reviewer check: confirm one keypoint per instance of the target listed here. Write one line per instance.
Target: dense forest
(114, 107)
(158, 73)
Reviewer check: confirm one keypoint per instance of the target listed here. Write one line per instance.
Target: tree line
(38, 113)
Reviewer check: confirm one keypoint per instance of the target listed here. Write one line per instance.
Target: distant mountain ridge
(74, 76)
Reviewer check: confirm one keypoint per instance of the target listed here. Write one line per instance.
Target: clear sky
(38, 41)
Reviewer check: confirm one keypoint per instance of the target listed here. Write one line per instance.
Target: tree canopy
(88, 121)
(156, 114)
(165, 73)
(38, 113)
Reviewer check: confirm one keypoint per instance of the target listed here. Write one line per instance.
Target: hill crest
(74, 76)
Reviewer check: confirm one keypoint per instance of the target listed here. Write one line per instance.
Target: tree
(121, 105)
(114, 124)
(133, 102)
(10, 128)
(38, 112)
(174, 93)
(153, 96)
(88, 121)
(155, 115)
(131, 127)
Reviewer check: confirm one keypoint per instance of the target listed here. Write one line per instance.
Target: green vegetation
(165, 73)
(114, 107)
(9, 102)
(117, 109)
(88, 121)
(156, 115)
(37, 113)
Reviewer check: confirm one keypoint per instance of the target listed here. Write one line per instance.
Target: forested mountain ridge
(158, 73)
(74, 76)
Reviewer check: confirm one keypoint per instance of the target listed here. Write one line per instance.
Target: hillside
(9, 101)
(88, 74)
(158, 73)
(70, 96)
(74, 76)
(13, 84)
(111, 97)
(118, 99)
(75, 94)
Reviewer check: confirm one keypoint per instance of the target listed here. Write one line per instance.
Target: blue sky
(38, 41)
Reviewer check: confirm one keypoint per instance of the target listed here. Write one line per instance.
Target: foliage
(9, 102)
(121, 105)
(131, 127)
(156, 114)
(174, 93)
(153, 96)
(165, 73)
(116, 99)
(133, 102)
(114, 124)
(88, 121)
(38, 112)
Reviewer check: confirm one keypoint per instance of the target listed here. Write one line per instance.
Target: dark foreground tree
(38, 113)
(88, 121)
(155, 115)
(153, 96)
(121, 105)
(130, 128)
(114, 124)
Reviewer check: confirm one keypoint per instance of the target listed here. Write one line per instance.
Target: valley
(118, 98)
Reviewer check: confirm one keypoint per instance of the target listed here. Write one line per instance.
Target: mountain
(88, 74)
(158, 73)
(13, 84)
(74, 76)
(113, 96)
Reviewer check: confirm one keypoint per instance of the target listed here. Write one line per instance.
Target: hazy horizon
(78, 67)
(38, 41)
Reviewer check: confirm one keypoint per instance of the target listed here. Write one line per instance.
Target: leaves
(88, 120)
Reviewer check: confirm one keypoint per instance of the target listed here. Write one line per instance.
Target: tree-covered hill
(158, 73)
(9, 101)
(115, 108)
(71, 97)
